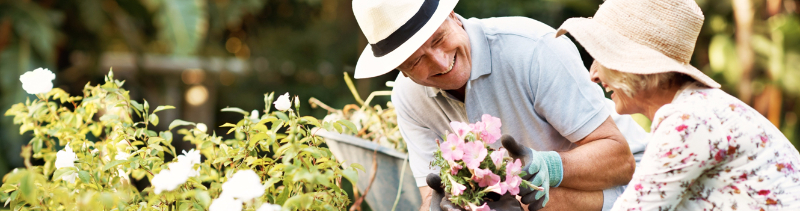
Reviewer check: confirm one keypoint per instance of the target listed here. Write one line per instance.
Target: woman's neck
(657, 98)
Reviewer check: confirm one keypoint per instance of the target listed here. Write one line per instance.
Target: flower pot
(382, 194)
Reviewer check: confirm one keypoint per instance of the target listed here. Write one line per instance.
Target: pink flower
(492, 131)
(461, 129)
(453, 148)
(478, 128)
(514, 168)
(454, 167)
(474, 153)
(499, 188)
(638, 187)
(681, 127)
(497, 157)
(484, 207)
(456, 189)
(512, 184)
(485, 177)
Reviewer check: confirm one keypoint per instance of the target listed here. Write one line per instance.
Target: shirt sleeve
(681, 148)
(563, 92)
(420, 140)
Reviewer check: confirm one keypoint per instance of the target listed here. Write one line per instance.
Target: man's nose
(442, 62)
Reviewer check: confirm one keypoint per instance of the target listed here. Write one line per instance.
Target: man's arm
(601, 160)
(425, 192)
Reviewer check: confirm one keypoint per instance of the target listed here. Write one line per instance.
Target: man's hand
(544, 169)
(438, 199)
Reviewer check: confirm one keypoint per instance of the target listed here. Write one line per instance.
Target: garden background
(204, 55)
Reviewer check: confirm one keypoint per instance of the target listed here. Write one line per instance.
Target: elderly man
(514, 68)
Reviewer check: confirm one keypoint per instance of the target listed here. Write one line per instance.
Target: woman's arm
(681, 149)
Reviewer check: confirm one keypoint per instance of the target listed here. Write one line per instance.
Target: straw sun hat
(642, 36)
(395, 29)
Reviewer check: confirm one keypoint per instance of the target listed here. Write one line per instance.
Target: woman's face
(624, 103)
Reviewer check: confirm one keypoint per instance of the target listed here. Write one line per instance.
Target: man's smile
(450, 68)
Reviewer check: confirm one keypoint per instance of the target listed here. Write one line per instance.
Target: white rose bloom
(192, 155)
(166, 180)
(37, 81)
(254, 116)
(283, 103)
(269, 207)
(243, 185)
(65, 158)
(201, 127)
(225, 203)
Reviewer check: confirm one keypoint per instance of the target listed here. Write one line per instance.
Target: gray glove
(440, 202)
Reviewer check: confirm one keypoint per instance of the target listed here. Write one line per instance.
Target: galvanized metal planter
(383, 192)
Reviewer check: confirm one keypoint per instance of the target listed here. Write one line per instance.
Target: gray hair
(631, 84)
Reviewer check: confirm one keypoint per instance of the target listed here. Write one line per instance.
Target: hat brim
(620, 53)
(369, 66)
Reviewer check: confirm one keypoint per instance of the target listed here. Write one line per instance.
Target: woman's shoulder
(694, 105)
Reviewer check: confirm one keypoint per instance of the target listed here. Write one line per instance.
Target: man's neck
(459, 93)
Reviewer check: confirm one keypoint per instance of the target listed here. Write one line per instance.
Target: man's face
(444, 60)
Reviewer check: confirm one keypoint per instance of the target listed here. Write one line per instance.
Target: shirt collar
(479, 48)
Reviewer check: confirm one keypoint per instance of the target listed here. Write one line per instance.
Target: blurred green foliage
(303, 46)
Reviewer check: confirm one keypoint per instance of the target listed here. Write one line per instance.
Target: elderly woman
(707, 149)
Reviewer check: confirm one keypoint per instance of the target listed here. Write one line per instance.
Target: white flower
(269, 207)
(167, 180)
(201, 127)
(283, 103)
(192, 155)
(254, 116)
(178, 172)
(243, 185)
(65, 158)
(225, 203)
(37, 81)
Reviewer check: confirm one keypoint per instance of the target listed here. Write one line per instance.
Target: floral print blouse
(710, 151)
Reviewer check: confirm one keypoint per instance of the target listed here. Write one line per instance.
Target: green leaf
(37, 144)
(113, 163)
(63, 171)
(358, 166)
(348, 124)
(137, 106)
(282, 116)
(85, 177)
(284, 195)
(27, 186)
(311, 120)
(237, 110)
(164, 107)
(153, 119)
(228, 124)
(178, 122)
(351, 175)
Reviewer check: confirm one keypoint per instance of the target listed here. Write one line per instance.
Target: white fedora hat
(395, 29)
(642, 36)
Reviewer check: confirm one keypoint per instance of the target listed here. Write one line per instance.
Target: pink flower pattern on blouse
(709, 151)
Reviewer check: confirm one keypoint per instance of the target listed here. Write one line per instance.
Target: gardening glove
(544, 169)
(439, 201)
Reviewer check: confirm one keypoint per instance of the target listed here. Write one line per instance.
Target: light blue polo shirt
(535, 83)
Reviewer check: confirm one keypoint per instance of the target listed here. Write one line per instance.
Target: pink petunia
(484, 207)
(512, 184)
(474, 153)
(492, 130)
(453, 148)
(461, 129)
(499, 188)
(456, 189)
(514, 168)
(454, 167)
(478, 128)
(497, 157)
(485, 177)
